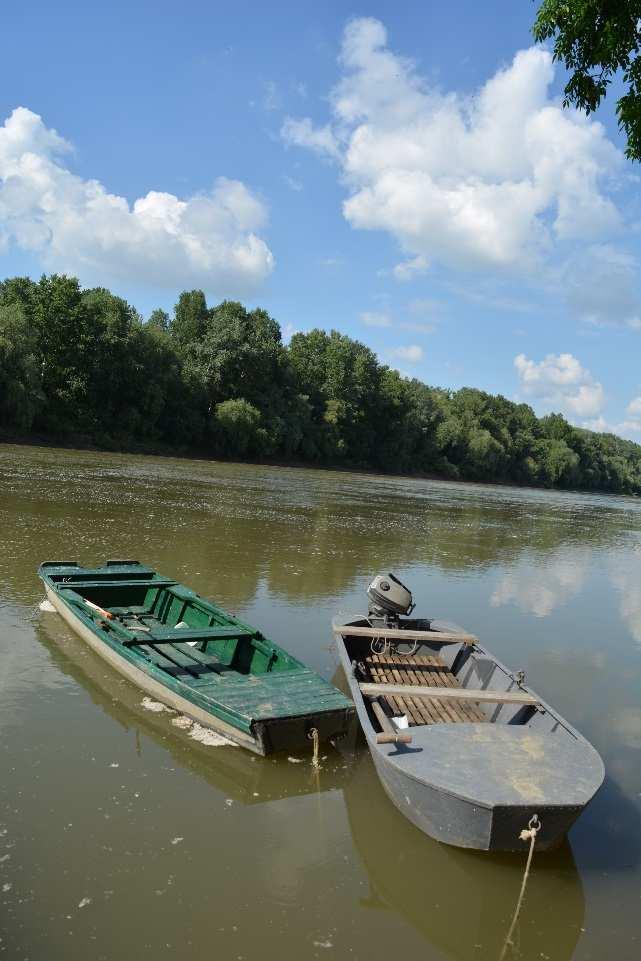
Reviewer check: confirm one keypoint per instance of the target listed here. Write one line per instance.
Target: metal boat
(464, 748)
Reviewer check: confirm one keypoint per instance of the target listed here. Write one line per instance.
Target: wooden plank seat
(417, 670)
(170, 636)
(184, 662)
(137, 582)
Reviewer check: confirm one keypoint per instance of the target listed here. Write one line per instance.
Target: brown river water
(124, 837)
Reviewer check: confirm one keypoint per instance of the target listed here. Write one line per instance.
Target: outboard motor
(388, 599)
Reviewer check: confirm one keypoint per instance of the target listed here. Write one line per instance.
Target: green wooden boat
(188, 653)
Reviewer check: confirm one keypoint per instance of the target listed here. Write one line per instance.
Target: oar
(100, 610)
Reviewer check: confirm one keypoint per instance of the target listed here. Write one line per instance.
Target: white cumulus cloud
(411, 354)
(492, 180)
(560, 383)
(76, 225)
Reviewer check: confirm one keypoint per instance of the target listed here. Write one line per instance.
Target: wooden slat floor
(420, 669)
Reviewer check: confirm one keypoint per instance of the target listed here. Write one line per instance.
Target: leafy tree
(239, 354)
(596, 40)
(65, 340)
(159, 319)
(556, 462)
(221, 382)
(341, 378)
(20, 393)
(190, 317)
(239, 424)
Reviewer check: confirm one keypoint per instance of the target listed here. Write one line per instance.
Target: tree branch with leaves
(598, 40)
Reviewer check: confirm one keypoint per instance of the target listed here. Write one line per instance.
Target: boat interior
(459, 666)
(178, 630)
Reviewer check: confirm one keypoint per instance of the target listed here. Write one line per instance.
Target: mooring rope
(528, 834)
(313, 736)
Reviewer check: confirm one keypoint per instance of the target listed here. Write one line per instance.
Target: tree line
(82, 366)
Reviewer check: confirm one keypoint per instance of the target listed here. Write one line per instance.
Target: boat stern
(294, 734)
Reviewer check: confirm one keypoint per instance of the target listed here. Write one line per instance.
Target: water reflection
(460, 902)
(538, 585)
(230, 770)
(304, 534)
(624, 575)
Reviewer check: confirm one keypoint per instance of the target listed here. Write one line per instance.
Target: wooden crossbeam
(442, 637)
(458, 693)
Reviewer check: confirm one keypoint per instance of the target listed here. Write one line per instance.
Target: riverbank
(79, 443)
(227, 386)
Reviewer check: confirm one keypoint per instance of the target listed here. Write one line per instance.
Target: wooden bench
(420, 670)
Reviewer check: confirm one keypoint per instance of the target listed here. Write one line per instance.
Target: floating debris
(155, 706)
(84, 902)
(208, 737)
(47, 606)
(177, 840)
(182, 722)
(295, 760)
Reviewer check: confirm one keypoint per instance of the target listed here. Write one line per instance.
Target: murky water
(122, 837)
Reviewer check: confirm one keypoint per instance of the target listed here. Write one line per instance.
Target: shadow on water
(244, 777)
(461, 901)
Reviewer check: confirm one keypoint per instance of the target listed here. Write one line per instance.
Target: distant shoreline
(80, 444)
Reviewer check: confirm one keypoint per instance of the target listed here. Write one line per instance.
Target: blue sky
(403, 175)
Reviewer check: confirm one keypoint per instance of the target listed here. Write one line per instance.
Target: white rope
(528, 834)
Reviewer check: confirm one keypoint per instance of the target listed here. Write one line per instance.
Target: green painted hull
(187, 652)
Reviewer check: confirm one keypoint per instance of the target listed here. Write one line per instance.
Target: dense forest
(82, 366)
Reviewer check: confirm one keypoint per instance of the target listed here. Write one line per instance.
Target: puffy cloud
(491, 180)
(559, 382)
(634, 407)
(75, 225)
(411, 354)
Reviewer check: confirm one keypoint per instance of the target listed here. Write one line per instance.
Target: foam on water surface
(209, 737)
(155, 706)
